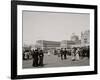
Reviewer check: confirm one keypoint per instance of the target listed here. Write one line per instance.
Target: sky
(53, 26)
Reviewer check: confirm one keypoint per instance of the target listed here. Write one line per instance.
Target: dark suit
(62, 53)
(36, 58)
(41, 58)
(33, 58)
(65, 54)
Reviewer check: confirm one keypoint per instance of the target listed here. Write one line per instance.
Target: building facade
(73, 42)
(85, 38)
(48, 44)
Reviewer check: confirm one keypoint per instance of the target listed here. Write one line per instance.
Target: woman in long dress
(49, 52)
(77, 55)
(73, 54)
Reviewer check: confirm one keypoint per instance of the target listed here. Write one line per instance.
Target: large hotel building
(73, 42)
(48, 44)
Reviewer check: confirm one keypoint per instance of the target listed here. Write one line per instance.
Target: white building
(73, 42)
(85, 38)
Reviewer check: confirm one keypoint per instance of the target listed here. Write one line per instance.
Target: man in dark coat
(88, 52)
(32, 52)
(62, 53)
(65, 54)
(41, 55)
(35, 58)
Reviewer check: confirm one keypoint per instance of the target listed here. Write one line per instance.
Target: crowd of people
(64, 53)
(76, 53)
(37, 56)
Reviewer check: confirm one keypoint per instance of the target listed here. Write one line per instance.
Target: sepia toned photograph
(55, 39)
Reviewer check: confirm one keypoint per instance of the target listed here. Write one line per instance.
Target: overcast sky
(52, 26)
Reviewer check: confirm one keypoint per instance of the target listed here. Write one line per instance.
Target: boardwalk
(55, 61)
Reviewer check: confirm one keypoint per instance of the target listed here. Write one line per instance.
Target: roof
(48, 42)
